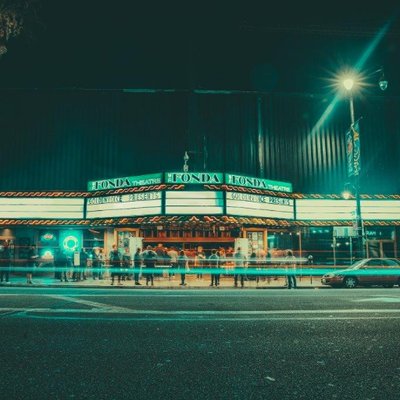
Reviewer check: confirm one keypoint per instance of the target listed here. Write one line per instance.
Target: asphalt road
(199, 344)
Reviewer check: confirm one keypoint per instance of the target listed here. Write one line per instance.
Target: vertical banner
(349, 153)
(356, 148)
(353, 150)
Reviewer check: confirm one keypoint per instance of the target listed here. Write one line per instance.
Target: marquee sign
(258, 183)
(190, 178)
(382, 210)
(127, 205)
(322, 209)
(41, 208)
(129, 181)
(194, 202)
(194, 178)
(253, 205)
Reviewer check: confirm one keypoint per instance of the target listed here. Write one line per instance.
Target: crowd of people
(118, 266)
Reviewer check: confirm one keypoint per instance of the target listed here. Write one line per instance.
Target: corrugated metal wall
(61, 139)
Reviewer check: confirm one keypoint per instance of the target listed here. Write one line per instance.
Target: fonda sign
(194, 178)
(129, 181)
(258, 183)
(190, 178)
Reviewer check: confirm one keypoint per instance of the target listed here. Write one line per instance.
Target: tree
(16, 18)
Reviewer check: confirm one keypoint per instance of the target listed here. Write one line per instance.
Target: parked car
(366, 272)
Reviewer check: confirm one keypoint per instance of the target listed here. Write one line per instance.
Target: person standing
(32, 259)
(126, 264)
(76, 264)
(150, 259)
(173, 255)
(183, 264)
(61, 265)
(199, 261)
(115, 264)
(240, 262)
(213, 262)
(96, 263)
(222, 258)
(291, 270)
(101, 263)
(83, 264)
(268, 264)
(253, 266)
(137, 264)
(5, 262)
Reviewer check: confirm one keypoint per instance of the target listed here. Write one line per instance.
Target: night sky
(292, 46)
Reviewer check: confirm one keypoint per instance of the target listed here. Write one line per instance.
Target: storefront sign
(321, 209)
(194, 202)
(41, 208)
(258, 183)
(71, 240)
(129, 181)
(194, 178)
(135, 197)
(253, 205)
(126, 205)
(383, 210)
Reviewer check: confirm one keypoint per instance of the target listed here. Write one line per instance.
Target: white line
(198, 318)
(120, 310)
(93, 304)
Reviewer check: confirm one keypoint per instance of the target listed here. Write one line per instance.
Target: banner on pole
(353, 150)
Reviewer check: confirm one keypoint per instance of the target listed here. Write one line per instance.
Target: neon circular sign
(70, 243)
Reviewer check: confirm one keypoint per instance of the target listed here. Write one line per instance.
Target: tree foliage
(16, 18)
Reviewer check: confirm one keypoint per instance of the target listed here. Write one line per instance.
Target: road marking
(381, 299)
(198, 318)
(94, 304)
(121, 310)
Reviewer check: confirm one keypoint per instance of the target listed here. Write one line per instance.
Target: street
(199, 344)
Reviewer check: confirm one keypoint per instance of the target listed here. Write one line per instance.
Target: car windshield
(357, 264)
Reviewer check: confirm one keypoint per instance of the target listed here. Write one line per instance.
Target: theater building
(242, 143)
(191, 209)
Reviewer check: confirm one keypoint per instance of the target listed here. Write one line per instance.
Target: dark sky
(283, 46)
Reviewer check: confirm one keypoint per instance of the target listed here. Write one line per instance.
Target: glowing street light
(348, 83)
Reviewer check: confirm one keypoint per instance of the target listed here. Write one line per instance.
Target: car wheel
(350, 282)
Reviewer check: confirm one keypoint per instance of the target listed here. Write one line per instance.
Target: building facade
(191, 209)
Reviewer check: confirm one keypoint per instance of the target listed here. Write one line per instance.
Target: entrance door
(122, 236)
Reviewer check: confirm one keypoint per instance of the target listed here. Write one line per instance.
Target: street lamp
(349, 83)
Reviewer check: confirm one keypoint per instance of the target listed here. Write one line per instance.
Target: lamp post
(348, 84)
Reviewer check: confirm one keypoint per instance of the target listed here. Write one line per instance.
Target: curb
(143, 287)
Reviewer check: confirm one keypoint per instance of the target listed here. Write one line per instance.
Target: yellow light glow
(346, 194)
(348, 83)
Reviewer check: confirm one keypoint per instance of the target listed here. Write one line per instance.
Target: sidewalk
(226, 282)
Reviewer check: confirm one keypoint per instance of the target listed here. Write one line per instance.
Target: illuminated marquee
(257, 183)
(127, 205)
(310, 209)
(194, 178)
(383, 210)
(41, 208)
(194, 202)
(125, 182)
(253, 205)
